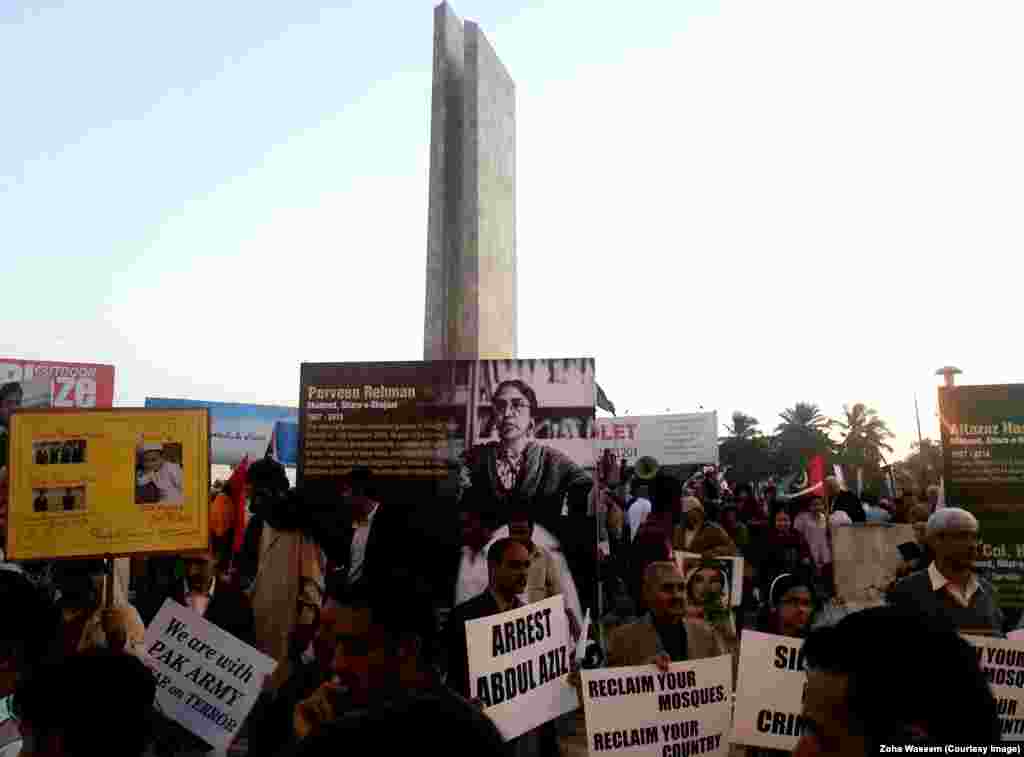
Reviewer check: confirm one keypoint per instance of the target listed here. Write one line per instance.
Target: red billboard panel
(45, 383)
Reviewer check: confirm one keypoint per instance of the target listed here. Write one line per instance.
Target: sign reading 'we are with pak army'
(207, 680)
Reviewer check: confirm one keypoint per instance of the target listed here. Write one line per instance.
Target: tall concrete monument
(471, 247)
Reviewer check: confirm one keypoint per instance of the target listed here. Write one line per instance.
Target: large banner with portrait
(493, 435)
(91, 483)
(432, 422)
(983, 459)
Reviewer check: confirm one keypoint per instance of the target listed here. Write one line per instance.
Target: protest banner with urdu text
(519, 665)
(207, 680)
(1002, 663)
(92, 483)
(639, 710)
(770, 691)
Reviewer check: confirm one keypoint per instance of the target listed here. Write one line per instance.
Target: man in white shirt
(478, 532)
(165, 475)
(638, 510)
(363, 505)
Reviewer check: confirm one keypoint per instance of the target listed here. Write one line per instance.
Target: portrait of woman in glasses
(516, 470)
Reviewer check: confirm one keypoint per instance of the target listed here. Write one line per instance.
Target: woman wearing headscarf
(782, 550)
(699, 535)
(708, 599)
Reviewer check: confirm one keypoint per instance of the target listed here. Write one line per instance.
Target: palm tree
(866, 435)
(803, 417)
(803, 434)
(743, 426)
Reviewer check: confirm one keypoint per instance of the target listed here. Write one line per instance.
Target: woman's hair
(690, 579)
(523, 388)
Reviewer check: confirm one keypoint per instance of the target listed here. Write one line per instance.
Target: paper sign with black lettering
(639, 710)
(770, 691)
(519, 665)
(207, 680)
(1002, 662)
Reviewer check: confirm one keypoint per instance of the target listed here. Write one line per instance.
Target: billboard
(983, 459)
(237, 430)
(90, 483)
(422, 422)
(53, 384)
(40, 383)
(681, 439)
(493, 435)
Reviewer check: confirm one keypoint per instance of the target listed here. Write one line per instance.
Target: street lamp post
(947, 374)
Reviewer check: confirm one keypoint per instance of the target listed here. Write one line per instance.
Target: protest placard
(207, 680)
(92, 483)
(518, 666)
(865, 560)
(1002, 662)
(769, 691)
(639, 710)
(730, 578)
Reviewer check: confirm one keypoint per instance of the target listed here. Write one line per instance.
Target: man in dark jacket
(220, 604)
(363, 537)
(949, 587)
(508, 564)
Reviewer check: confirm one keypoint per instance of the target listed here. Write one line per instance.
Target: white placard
(681, 439)
(1002, 662)
(639, 710)
(207, 680)
(519, 665)
(770, 691)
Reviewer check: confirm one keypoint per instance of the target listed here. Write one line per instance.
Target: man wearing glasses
(949, 586)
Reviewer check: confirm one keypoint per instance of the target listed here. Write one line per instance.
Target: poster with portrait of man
(496, 436)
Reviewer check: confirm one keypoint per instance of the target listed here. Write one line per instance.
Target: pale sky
(734, 205)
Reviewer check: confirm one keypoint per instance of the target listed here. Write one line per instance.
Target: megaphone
(646, 467)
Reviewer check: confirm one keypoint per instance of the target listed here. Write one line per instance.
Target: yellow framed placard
(95, 483)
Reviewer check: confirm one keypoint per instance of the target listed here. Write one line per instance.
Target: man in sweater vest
(949, 586)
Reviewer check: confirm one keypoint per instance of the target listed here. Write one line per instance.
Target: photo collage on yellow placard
(108, 482)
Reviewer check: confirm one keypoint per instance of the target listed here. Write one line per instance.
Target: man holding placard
(682, 706)
(528, 689)
(665, 635)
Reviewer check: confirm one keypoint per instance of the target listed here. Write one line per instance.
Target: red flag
(815, 471)
(236, 489)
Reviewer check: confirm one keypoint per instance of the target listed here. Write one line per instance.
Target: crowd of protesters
(365, 614)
